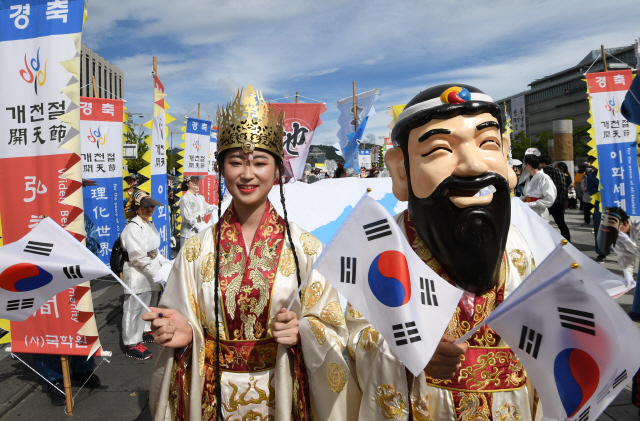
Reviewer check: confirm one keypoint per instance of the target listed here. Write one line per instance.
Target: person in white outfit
(539, 192)
(141, 240)
(193, 209)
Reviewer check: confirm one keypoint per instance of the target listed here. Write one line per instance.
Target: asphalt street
(124, 390)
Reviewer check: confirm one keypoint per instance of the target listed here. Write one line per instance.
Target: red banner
(300, 123)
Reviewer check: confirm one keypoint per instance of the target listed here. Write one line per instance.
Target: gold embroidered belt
(242, 356)
(485, 370)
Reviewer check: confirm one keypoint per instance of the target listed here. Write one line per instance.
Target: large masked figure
(449, 162)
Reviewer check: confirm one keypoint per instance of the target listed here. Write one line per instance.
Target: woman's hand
(285, 328)
(170, 328)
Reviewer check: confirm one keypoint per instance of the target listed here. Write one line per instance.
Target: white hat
(532, 151)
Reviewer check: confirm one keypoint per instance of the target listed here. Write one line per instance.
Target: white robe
(192, 208)
(386, 384)
(323, 336)
(541, 186)
(139, 238)
(628, 249)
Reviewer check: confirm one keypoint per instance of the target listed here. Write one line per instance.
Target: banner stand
(66, 378)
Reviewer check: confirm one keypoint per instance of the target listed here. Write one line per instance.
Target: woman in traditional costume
(230, 300)
(193, 209)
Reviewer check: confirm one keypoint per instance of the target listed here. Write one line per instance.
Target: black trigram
(530, 341)
(43, 249)
(72, 271)
(401, 335)
(19, 304)
(348, 270)
(584, 415)
(377, 229)
(3, 333)
(428, 293)
(620, 379)
(577, 320)
(604, 392)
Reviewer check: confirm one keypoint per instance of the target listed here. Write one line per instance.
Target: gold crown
(249, 122)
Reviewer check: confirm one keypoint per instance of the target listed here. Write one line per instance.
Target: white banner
(196, 147)
(518, 115)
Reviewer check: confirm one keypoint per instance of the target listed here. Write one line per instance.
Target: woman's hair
(183, 185)
(563, 167)
(220, 163)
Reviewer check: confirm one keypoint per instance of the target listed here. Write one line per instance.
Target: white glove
(163, 274)
(163, 259)
(173, 242)
(628, 279)
(623, 237)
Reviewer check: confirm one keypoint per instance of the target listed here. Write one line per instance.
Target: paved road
(125, 382)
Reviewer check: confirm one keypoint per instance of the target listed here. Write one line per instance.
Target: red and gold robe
(260, 380)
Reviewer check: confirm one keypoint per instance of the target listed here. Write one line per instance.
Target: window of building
(99, 80)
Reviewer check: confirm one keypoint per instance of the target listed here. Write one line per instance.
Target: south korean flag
(370, 262)
(576, 343)
(41, 264)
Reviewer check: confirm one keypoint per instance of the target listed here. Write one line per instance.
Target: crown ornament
(249, 122)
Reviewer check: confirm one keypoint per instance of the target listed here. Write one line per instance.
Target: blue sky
(208, 49)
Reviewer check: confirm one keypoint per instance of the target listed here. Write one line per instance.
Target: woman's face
(193, 186)
(145, 212)
(249, 181)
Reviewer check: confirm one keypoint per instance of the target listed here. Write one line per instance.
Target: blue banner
(27, 19)
(103, 209)
(618, 173)
(160, 216)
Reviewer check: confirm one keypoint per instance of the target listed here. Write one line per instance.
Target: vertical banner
(518, 115)
(615, 140)
(364, 158)
(40, 156)
(300, 123)
(157, 169)
(196, 147)
(208, 185)
(101, 132)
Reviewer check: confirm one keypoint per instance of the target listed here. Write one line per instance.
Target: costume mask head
(448, 146)
(612, 218)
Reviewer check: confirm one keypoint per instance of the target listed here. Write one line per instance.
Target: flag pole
(95, 90)
(297, 97)
(604, 58)
(198, 111)
(355, 116)
(66, 379)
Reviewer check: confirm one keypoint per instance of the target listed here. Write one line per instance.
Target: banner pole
(66, 378)
(155, 66)
(355, 116)
(198, 111)
(95, 90)
(604, 58)
(297, 97)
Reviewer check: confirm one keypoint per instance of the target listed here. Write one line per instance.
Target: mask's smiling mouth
(473, 197)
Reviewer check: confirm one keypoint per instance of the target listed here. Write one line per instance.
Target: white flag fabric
(41, 264)
(578, 346)
(543, 239)
(370, 262)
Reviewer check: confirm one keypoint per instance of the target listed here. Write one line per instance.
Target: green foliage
(134, 165)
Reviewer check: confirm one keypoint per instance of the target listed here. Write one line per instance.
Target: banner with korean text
(615, 140)
(196, 147)
(209, 185)
(40, 155)
(101, 131)
(300, 123)
(156, 171)
(518, 115)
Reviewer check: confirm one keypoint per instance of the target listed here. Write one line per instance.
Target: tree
(134, 165)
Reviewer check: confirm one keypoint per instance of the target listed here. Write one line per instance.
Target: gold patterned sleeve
(323, 336)
(381, 376)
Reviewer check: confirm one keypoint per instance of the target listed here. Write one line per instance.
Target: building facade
(109, 79)
(564, 94)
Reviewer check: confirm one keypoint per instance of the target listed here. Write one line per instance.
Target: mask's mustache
(468, 184)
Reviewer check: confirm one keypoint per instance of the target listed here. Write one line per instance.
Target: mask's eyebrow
(433, 132)
(487, 124)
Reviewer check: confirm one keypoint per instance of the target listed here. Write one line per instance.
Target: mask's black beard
(467, 242)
